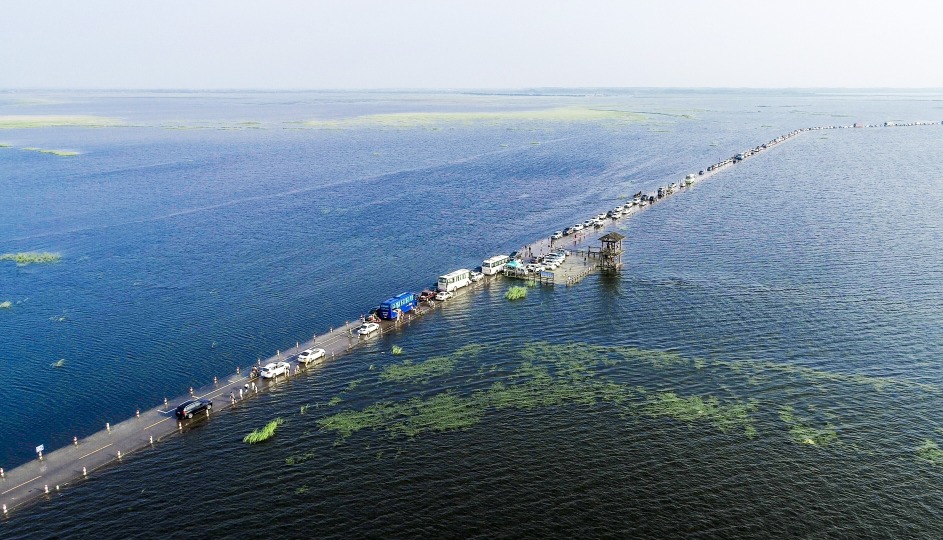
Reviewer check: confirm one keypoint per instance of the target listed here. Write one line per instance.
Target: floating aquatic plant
(63, 153)
(516, 293)
(6, 304)
(422, 371)
(803, 433)
(930, 452)
(31, 257)
(264, 434)
(336, 400)
(397, 350)
(58, 363)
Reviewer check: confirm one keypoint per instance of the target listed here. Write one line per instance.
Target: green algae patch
(397, 350)
(434, 119)
(31, 257)
(516, 293)
(421, 372)
(803, 433)
(61, 153)
(30, 121)
(930, 452)
(433, 367)
(6, 304)
(725, 417)
(263, 434)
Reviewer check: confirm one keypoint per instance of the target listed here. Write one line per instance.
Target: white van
(454, 280)
(494, 265)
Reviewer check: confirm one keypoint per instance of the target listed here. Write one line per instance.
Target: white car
(369, 328)
(587, 224)
(475, 276)
(274, 369)
(311, 355)
(556, 235)
(444, 295)
(577, 227)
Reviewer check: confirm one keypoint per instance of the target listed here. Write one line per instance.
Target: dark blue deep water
(768, 362)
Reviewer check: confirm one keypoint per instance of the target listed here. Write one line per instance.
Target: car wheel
(189, 415)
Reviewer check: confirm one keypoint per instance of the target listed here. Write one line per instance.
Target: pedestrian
(232, 398)
(240, 394)
(246, 386)
(255, 389)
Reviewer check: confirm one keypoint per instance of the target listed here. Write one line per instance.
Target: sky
(402, 44)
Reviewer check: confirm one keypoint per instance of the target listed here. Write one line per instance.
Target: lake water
(768, 360)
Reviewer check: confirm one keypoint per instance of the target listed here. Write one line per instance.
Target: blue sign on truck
(399, 304)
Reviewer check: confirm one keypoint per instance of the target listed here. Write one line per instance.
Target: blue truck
(399, 304)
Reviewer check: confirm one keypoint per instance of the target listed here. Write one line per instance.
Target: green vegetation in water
(63, 153)
(6, 304)
(930, 452)
(726, 418)
(302, 490)
(31, 257)
(24, 121)
(803, 433)
(336, 400)
(516, 293)
(550, 376)
(431, 119)
(58, 363)
(2, 145)
(397, 350)
(433, 367)
(304, 408)
(298, 459)
(264, 434)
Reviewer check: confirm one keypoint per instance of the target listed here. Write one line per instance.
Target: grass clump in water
(516, 293)
(421, 372)
(31, 257)
(6, 304)
(725, 417)
(930, 452)
(63, 153)
(803, 433)
(397, 350)
(58, 363)
(264, 434)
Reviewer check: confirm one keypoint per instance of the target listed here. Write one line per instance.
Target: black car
(188, 408)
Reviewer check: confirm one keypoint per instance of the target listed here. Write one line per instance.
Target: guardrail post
(84, 472)
(75, 441)
(137, 413)
(152, 440)
(1, 473)
(119, 454)
(108, 427)
(47, 489)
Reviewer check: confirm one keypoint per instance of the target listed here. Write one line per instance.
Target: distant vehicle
(494, 265)
(368, 328)
(310, 356)
(588, 223)
(568, 231)
(188, 408)
(600, 217)
(274, 369)
(444, 295)
(427, 295)
(476, 276)
(556, 235)
(578, 227)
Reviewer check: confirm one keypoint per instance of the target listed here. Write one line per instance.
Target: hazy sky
(470, 44)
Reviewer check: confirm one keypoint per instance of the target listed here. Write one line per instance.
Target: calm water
(768, 361)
